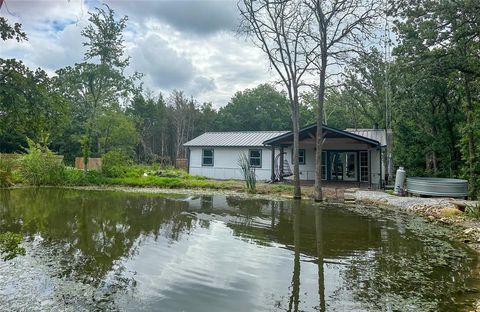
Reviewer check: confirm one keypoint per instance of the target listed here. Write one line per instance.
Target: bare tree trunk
(297, 194)
(318, 195)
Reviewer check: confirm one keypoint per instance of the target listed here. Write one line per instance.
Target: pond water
(105, 250)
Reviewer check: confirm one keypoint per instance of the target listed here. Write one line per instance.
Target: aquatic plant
(248, 173)
(10, 245)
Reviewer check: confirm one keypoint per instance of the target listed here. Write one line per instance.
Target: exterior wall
(225, 163)
(226, 167)
(375, 168)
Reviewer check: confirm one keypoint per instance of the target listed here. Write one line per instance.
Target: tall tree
(447, 31)
(260, 108)
(340, 29)
(278, 29)
(94, 88)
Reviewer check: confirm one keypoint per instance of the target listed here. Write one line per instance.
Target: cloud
(185, 45)
(162, 65)
(193, 16)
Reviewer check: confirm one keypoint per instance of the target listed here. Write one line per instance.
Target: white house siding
(225, 163)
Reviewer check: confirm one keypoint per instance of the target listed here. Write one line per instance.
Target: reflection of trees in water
(92, 229)
(295, 286)
(319, 241)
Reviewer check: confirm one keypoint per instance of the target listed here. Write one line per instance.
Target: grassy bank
(43, 169)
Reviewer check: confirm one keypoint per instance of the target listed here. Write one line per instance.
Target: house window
(363, 166)
(301, 156)
(256, 158)
(324, 165)
(207, 157)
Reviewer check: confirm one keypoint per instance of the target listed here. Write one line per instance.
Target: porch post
(370, 168)
(273, 163)
(381, 165)
(281, 163)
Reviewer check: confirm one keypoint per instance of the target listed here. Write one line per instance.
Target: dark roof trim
(313, 126)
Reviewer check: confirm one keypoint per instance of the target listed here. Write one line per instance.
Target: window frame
(259, 157)
(304, 156)
(212, 157)
(364, 166)
(323, 166)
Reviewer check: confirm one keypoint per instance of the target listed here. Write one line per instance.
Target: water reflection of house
(353, 155)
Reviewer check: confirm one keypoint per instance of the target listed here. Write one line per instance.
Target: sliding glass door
(343, 166)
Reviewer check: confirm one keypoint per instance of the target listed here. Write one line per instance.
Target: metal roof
(237, 138)
(331, 133)
(374, 134)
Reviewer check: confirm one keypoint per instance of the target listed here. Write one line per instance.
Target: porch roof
(328, 132)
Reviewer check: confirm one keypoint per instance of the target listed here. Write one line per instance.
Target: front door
(343, 166)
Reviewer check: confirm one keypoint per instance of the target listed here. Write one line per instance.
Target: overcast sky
(190, 45)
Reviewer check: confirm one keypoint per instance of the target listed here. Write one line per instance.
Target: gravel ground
(408, 203)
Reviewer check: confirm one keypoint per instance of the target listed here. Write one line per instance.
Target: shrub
(248, 173)
(6, 171)
(40, 166)
(115, 163)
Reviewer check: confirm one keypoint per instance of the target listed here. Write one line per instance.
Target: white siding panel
(225, 163)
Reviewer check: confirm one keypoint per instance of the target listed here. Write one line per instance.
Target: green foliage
(282, 188)
(40, 166)
(473, 211)
(29, 106)
(8, 31)
(76, 177)
(115, 163)
(6, 171)
(10, 245)
(170, 182)
(248, 173)
(260, 108)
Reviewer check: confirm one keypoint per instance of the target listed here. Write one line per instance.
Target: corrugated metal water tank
(437, 187)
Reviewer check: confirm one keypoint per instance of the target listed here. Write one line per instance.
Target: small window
(256, 158)
(301, 156)
(207, 157)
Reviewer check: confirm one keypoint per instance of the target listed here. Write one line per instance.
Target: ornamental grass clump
(248, 173)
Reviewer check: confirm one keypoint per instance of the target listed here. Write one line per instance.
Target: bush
(6, 171)
(115, 163)
(41, 166)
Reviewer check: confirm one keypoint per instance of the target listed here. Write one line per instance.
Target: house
(352, 155)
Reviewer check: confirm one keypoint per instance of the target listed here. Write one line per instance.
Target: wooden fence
(181, 163)
(93, 163)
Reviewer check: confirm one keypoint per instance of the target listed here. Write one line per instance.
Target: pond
(117, 251)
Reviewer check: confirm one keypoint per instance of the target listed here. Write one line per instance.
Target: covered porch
(347, 158)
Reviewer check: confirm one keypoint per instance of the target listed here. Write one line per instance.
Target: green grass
(172, 182)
